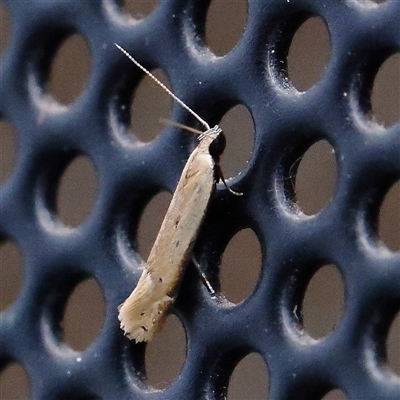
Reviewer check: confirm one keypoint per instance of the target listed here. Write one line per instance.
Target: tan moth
(143, 313)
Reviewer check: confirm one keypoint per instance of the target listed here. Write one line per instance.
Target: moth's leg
(206, 282)
(220, 176)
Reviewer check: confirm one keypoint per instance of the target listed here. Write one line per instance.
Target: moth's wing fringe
(143, 313)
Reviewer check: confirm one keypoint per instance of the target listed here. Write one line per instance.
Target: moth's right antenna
(159, 83)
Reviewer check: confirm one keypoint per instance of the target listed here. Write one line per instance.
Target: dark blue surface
(294, 245)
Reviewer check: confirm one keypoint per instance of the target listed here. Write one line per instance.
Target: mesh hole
(225, 24)
(4, 27)
(150, 104)
(308, 54)
(165, 354)
(385, 94)
(240, 266)
(77, 191)
(84, 315)
(249, 379)
(7, 149)
(335, 395)
(316, 178)
(10, 273)
(389, 218)
(238, 127)
(138, 9)
(14, 383)
(70, 70)
(151, 221)
(393, 346)
(323, 302)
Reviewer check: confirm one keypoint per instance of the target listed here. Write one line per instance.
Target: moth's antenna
(159, 83)
(177, 124)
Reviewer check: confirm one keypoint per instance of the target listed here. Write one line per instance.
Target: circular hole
(308, 54)
(10, 273)
(4, 27)
(138, 9)
(316, 177)
(225, 24)
(393, 346)
(77, 191)
(385, 94)
(70, 70)
(151, 221)
(335, 395)
(165, 354)
(389, 218)
(14, 383)
(249, 379)
(240, 266)
(237, 125)
(150, 104)
(84, 315)
(323, 302)
(7, 150)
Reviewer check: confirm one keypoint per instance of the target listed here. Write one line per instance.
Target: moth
(144, 312)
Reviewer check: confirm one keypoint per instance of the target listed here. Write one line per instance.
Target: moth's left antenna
(159, 83)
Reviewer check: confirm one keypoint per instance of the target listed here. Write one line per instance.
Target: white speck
(79, 359)
(295, 312)
(345, 94)
(200, 82)
(68, 373)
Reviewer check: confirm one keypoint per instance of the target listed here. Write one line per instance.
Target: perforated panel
(352, 357)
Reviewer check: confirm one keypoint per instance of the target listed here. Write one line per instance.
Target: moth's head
(217, 146)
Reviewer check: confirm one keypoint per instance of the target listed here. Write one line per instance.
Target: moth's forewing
(144, 311)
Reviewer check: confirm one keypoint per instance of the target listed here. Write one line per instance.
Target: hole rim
(7, 362)
(41, 50)
(4, 241)
(279, 42)
(8, 130)
(204, 40)
(318, 77)
(286, 168)
(149, 382)
(292, 292)
(368, 210)
(52, 167)
(54, 304)
(250, 291)
(360, 89)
